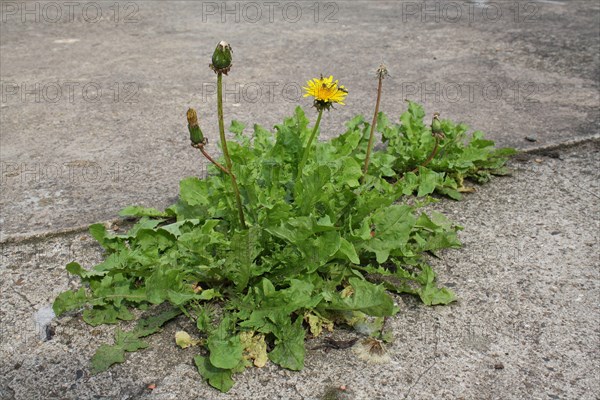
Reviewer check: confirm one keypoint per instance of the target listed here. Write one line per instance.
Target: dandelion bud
(221, 59)
(436, 126)
(196, 135)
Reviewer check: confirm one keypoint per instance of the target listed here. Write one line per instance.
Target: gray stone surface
(525, 325)
(92, 114)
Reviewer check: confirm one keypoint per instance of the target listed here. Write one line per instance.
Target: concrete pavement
(92, 114)
(526, 323)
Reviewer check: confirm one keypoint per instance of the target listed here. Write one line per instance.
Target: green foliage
(459, 156)
(107, 355)
(318, 248)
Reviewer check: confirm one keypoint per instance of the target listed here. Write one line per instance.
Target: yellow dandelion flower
(326, 91)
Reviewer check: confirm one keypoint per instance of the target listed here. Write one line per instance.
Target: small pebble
(499, 366)
(532, 139)
(538, 160)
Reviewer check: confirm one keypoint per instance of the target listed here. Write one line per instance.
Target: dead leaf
(255, 348)
(184, 340)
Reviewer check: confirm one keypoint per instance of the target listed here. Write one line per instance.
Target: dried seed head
(382, 71)
(372, 350)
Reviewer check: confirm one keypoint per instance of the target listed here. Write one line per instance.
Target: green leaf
(225, 348)
(130, 341)
(350, 172)
(309, 190)
(367, 297)
(217, 377)
(175, 228)
(237, 127)
(429, 181)
(194, 191)
(108, 314)
(76, 269)
(152, 324)
(69, 300)
(431, 295)
(105, 239)
(289, 347)
(139, 211)
(392, 227)
(348, 251)
(166, 283)
(208, 294)
(106, 356)
(245, 247)
(272, 304)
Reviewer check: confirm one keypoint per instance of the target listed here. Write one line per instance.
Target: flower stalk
(381, 73)
(224, 68)
(221, 121)
(221, 64)
(308, 145)
(193, 127)
(325, 91)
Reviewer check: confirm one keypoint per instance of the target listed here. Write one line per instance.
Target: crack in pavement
(435, 357)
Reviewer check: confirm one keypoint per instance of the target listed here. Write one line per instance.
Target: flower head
(382, 71)
(372, 350)
(326, 91)
(436, 126)
(196, 135)
(221, 59)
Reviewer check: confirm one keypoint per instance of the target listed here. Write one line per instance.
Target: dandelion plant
(310, 247)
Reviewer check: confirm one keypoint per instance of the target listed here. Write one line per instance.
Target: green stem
(221, 123)
(372, 135)
(431, 156)
(310, 140)
(238, 198)
(212, 160)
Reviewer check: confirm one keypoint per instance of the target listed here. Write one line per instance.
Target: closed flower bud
(221, 59)
(196, 135)
(436, 126)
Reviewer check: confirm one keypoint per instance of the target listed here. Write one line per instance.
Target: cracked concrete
(105, 100)
(526, 323)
